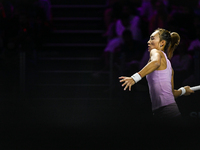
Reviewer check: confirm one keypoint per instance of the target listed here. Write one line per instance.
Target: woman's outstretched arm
(153, 64)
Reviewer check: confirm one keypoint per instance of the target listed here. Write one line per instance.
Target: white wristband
(182, 90)
(136, 77)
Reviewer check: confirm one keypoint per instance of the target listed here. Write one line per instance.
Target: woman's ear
(162, 43)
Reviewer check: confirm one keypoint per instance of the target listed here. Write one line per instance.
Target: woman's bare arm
(153, 64)
(177, 93)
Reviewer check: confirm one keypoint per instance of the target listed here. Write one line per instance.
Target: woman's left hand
(188, 90)
(128, 82)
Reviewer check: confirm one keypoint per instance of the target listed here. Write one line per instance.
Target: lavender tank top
(160, 88)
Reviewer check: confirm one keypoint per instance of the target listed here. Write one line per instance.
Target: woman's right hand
(128, 82)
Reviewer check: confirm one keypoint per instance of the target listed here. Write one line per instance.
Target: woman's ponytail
(172, 40)
(175, 40)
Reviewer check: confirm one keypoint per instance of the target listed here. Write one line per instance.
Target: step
(78, 23)
(76, 36)
(71, 51)
(75, 44)
(77, 31)
(69, 91)
(78, 6)
(71, 77)
(78, 2)
(78, 10)
(77, 19)
(69, 64)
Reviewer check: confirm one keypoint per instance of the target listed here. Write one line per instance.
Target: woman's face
(154, 41)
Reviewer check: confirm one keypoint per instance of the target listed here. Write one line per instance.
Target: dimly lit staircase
(72, 53)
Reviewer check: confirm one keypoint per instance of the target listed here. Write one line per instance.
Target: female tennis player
(160, 75)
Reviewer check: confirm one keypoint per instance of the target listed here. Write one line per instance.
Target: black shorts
(169, 115)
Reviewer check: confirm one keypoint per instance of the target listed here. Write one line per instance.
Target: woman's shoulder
(158, 52)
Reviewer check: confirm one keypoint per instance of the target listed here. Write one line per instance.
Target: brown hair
(172, 41)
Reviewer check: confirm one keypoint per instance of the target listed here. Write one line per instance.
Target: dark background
(55, 94)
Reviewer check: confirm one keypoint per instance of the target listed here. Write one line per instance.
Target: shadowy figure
(131, 52)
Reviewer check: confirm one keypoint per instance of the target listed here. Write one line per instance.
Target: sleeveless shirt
(160, 88)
